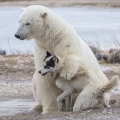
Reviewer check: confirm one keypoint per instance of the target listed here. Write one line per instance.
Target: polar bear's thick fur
(52, 33)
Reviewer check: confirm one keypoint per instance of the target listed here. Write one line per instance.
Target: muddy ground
(16, 96)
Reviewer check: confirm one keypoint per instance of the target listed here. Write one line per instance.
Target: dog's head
(49, 64)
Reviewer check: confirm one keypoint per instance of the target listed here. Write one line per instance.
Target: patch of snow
(104, 111)
(105, 68)
(20, 61)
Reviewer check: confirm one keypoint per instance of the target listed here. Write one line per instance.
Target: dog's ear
(55, 59)
(48, 53)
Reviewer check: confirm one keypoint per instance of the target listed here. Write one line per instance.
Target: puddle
(15, 106)
(19, 82)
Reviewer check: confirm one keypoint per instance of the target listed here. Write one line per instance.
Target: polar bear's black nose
(17, 36)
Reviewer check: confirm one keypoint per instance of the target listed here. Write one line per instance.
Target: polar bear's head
(31, 22)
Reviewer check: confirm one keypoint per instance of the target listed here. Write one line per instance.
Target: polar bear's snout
(17, 36)
(23, 31)
(21, 34)
(21, 37)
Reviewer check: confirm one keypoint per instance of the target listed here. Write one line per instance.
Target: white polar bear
(52, 33)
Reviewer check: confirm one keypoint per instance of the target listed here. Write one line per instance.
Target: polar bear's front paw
(75, 109)
(50, 111)
(36, 108)
(67, 76)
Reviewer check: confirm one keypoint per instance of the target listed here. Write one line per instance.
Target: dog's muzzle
(42, 73)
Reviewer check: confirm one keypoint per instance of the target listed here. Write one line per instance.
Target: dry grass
(14, 58)
(106, 47)
(19, 65)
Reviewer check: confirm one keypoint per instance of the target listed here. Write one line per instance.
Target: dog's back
(91, 90)
(76, 83)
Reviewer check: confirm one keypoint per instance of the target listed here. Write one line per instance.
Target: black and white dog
(50, 65)
(96, 93)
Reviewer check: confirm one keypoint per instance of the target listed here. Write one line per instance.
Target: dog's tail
(114, 82)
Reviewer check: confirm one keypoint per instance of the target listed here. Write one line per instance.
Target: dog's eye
(27, 24)
(47, 67)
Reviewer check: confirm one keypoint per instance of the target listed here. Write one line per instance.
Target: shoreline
(17, 97)
(66, 3)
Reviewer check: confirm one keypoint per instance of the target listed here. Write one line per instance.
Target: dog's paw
(60, 106)
(106, 105)
(59, 103)
(36, 108)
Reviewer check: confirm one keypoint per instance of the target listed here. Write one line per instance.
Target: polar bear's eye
(27, 23)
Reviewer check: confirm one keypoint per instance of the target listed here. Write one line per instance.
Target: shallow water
(95, 25)
(11, 102)
(14, 106)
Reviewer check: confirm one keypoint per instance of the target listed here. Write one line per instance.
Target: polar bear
(52, 33)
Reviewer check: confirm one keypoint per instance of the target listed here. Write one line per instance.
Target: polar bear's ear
(43, 14)
(22, 9)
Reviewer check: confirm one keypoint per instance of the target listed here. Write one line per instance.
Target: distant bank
(57, 3)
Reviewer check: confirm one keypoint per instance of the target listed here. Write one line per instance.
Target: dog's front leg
(61, 97)
(68, 103)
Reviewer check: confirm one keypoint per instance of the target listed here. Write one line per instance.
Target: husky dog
(96, 92)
